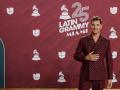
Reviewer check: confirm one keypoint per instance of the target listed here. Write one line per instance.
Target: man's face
(96, 27)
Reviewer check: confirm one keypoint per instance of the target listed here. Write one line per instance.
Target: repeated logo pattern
(41, 37)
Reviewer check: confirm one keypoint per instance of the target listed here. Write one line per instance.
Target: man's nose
(95, 26)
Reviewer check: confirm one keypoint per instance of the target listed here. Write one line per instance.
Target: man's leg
(84, 85)
(98, 84)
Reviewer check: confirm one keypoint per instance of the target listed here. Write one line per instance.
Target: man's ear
(101, 25)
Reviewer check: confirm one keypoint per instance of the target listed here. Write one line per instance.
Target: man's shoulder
(85, 37)
(105, 39)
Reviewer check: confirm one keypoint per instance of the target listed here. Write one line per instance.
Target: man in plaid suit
(94, 51)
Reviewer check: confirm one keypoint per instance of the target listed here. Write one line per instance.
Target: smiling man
(94, 51)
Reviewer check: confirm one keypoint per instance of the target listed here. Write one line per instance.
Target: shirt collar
(100, 37)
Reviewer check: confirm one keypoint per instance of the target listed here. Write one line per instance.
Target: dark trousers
(94, 84)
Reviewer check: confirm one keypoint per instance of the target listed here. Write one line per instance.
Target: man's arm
(79, 56)
(109, 66)
(109, 61)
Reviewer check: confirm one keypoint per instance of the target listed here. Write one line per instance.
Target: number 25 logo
(80, 12)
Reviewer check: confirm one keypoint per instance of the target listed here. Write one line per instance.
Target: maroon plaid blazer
(95, 70)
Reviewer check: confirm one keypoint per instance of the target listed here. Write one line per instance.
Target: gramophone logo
(62, 54)
(113, 10)
(36, 32)
(35, 12)
(114, 80)
(65, 14)
(36, 56)
(113, 33)
(61, 78)
(36, 76)
(10, 10)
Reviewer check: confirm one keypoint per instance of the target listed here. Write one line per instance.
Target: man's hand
(109, 84)
(92, 57)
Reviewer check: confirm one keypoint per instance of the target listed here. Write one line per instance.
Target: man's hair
(97, 18)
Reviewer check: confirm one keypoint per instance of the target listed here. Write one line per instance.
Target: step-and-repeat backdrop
(40, 38)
